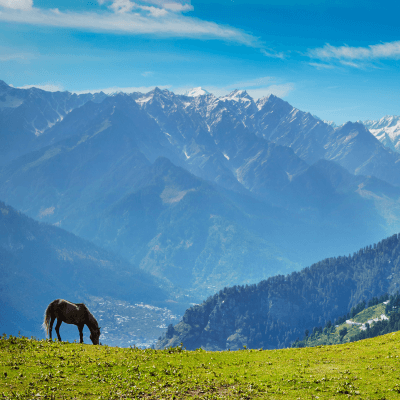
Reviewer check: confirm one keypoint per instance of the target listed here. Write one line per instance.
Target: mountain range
(386, 130)
(199, 192)
(188, 189)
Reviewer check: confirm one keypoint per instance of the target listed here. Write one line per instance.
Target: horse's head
(95, 335)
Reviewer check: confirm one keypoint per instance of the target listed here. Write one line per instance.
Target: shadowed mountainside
(39, 263)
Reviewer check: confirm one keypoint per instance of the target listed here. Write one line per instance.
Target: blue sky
(339, 60)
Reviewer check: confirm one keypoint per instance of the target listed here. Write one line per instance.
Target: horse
(71, 313)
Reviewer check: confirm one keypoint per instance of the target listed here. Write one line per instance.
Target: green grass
(370, 313)
(31, 369)
(332, 336)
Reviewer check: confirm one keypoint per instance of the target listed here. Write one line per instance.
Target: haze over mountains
(201, 192)
(40, 262)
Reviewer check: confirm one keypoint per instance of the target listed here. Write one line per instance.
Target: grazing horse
(70, 313)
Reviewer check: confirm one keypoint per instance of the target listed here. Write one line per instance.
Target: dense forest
(342, 329)
(276, 311)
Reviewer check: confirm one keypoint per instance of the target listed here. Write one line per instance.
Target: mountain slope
(25, 114)
(39, 263)
(381, 315)
(386, 130)
(98, 182)
(275, 312)
(184, 229)
(99, 185)
(96, 174)
(350, 145)
(193, 126)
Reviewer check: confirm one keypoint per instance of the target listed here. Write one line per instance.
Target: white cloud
(277, 90)
(372, 52)
(17, 4)
(166, 24)
(273, 54)
(350, 64)
(175, 6)
(122, 6)
(321, 66)
(178, 7)
(254, 82)
(154, 11)
(13, 57)
(49, 87)
(13, 54)
(125, 6)
(147, 73)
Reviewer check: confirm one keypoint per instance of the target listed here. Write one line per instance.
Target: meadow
(43, 369)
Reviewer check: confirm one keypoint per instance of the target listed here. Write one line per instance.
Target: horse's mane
(92, 320)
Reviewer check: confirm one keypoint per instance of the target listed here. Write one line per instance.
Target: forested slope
(275, 312)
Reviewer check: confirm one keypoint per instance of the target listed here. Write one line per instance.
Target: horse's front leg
(51, 326)
(59, 322)
(80, 327)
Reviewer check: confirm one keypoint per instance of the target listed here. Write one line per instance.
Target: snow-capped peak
(385, 122)
(195, 92)
(331, 123)
(386, 130)
(237, 95)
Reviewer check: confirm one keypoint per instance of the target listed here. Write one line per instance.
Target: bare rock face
(26, 114)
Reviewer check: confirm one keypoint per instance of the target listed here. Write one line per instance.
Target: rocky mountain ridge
(190, 122)
(193, 190)
(386, 130)
(25, 114)
(201, 192)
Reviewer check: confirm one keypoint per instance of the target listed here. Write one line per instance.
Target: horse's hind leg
(59, 322)
(51, 326)
(80, 327)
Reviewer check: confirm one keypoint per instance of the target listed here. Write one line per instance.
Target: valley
(125, 325)
(193, 194)
(204, 194)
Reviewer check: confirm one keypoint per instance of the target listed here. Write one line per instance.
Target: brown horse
(70, 313)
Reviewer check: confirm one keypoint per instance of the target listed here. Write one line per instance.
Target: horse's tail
(47, 317)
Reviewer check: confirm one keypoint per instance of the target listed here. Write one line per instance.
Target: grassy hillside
(382, 316)
(50, 370)
(344, 332)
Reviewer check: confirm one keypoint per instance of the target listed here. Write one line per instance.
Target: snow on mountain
(195, 92)
(386, 130)
(331, 123)
(187, 119)
(26, 114)
(194, 123)
(102, 153)
(238, 96)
